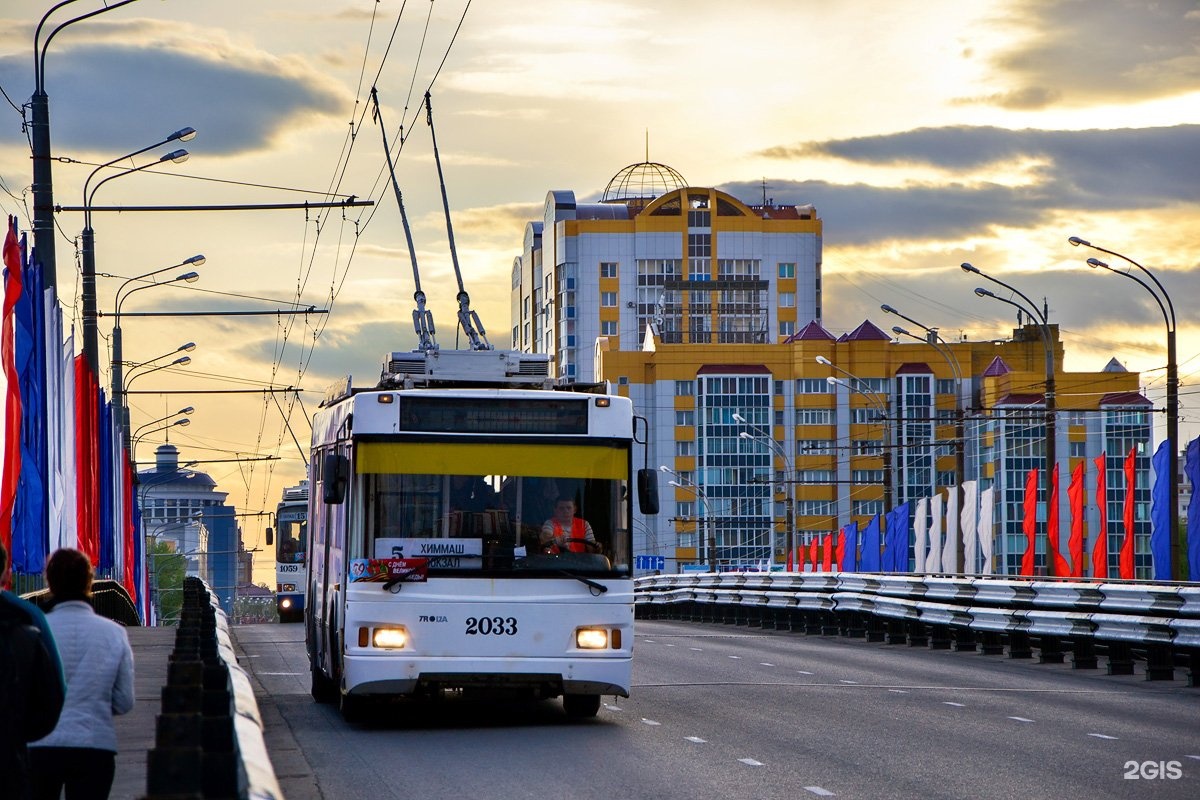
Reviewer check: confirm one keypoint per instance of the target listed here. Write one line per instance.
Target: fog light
(591, 638)
(391, 638)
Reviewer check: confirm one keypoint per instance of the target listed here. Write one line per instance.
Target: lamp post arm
(1153, 277)
(39, 52)
(1167, 318)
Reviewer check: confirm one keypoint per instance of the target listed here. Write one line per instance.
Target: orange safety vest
(578, 531)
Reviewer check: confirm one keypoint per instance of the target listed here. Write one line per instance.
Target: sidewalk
(135, 730)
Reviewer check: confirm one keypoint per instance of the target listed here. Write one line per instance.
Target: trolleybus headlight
(391, 638)
(289, 587)
(591, 638)
(285, 603)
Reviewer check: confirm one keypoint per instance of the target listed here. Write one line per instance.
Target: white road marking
(818, 791)
(696, 739)
(737, 657)
(670, 645)
(899, 691)
(948, 703)
(1101, 736)
(765, 664)
(650, 641)
(612, 707)
(843, 680)
(1021, 719)
(697, 649)
(750, 762)
(804, 672)
(650, 721)
(1195, 757)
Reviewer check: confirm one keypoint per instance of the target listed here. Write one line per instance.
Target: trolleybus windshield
(292, 534)
(518, 510)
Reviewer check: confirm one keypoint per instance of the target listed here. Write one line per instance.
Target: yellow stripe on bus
(526, 460)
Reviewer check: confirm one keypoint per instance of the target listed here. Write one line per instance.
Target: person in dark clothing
(31, 688)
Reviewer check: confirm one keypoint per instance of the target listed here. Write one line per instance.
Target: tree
(167, 570)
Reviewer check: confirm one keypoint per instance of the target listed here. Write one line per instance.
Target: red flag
(1075, 542)
(827, 553)
(128, 533)
(1029, 523)
(839, 550)
(87, 468)
(12, 409)
(1126, 557)
(1100, 548)
(791, 564)
(1054, 555)
(813, 558)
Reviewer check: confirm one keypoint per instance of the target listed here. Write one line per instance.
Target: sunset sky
(926, 134)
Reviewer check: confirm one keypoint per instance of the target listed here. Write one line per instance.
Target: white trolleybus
(471, 530)
(291, 544)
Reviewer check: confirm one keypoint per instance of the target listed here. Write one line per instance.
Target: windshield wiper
(600, 588)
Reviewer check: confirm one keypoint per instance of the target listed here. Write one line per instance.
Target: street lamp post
(39, 138)
(88, 241)
(1043, 327)
(138, 437)
(705, 532)
(1168, 312)
(118, 387)
(934, 340)
(761, 436)
(881, 406)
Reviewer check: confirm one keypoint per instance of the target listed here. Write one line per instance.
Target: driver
(565, 532)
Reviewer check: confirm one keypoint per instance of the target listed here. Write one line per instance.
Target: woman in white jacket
(80, 753)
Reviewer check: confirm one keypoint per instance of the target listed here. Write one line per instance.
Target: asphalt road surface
(726, 712)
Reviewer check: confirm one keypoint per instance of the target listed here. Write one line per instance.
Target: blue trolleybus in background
(291, 542)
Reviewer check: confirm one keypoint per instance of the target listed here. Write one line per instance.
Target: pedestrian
(80, 753)
(31, 685)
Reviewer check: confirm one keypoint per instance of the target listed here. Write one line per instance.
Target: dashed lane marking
(611, 707)
(817, 790)
(650, 721)
(948, 703)
(696, 739)
(736, 657)
(765, 664)
(750, 762)
(697, 649)
(843, 680)
(1102, 736)
(804, 672)
(899, 691)
(1021, 719)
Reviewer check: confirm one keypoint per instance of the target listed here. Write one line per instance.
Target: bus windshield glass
(292, 534)
(497, 508)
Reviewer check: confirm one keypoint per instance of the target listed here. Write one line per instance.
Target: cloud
(1083, 52)
(107, 95)
(1093, 170)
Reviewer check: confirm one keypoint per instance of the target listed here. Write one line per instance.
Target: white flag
(920, 533)
(934, 562)
(970, 517)
(950, 549)
(987, 503)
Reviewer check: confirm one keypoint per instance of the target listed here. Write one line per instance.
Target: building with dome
(182, 507)
(698, 264)
(706, 310)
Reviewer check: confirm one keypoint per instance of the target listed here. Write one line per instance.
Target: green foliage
(167, 570)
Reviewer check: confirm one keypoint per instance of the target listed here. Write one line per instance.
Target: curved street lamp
(761, 437)
(186, 347)
(179, 362)
(880, 404)
(708, 541)
(181, 423)
(88, 244)
(1168, 312)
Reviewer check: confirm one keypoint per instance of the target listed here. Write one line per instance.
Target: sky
(925, 134)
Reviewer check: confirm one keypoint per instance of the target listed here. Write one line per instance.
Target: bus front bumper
(544, 677)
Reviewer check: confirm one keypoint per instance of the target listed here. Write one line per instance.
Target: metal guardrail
(1155, 623)
(209, 738)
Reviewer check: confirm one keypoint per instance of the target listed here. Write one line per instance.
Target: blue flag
(869, 560)
(850, 556)
(108, 532)
(1160, 512)
(31, 528)
(1191, 467)
(895, 548)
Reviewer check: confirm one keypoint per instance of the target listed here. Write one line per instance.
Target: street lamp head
(188, 277)
(186, 348)
(665, 468)
(187, 410)
(1095, 262)
(178, 156)
(182, 135)
(981, 292)
(195, 261)
(1076, 241)
(832, 381)
(888, 309)
(896, 329)
(676, 484)
(746, 435)
(739, 418)
(967, 267)
(183, 423)
(182, 360)
(824, 360)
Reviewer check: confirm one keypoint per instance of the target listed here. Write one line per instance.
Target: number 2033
(1153, 770)
(491, 626)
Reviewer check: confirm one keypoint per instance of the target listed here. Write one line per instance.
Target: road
(724, 712)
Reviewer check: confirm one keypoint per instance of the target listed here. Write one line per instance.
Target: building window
(699, 245)
(684, 449)
(787, 299)
(787, 270)
(687, 418)
(946, 386)
(816, 476)
(1078, 449)
(867, 508)
(608, 328)
(787, 328)
(812, 386)
(608, 299)
(686, 508)
(866, 476)
(814, 416)
(685, 388)
(699, 219)
(608, 269)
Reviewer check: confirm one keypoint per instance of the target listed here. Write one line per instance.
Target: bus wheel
(353, 707)
(581, 706)
(323, 689)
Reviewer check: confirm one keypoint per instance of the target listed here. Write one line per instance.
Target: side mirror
(270, 536)
(335, 474)
(647, 480)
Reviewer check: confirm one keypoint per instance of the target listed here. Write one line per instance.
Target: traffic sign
(650, 562)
